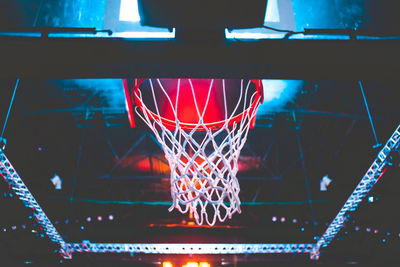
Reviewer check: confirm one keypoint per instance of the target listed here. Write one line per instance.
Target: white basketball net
(203, 162)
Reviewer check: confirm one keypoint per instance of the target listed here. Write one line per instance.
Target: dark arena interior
(88, 183)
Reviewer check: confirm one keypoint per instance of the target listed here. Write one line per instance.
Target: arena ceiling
(119, 178)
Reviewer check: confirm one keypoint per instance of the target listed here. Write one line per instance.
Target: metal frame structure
(373, 174)
(16, 184)
(193, 248)
(375, 171)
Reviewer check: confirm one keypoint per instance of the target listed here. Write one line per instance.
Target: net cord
(192, 186)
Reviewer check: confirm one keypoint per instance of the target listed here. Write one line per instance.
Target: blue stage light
(277, 93)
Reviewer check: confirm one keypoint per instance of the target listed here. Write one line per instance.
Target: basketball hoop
(202, 125)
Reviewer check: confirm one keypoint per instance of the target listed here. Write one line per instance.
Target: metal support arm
(373, 174)
(15, 182)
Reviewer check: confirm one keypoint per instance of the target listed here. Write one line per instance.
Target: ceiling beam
(95, 57)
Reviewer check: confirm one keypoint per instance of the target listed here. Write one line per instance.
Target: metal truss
(186, 248)
(373, 174)
(21, 190)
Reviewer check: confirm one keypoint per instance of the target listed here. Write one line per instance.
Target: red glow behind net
(202, 125)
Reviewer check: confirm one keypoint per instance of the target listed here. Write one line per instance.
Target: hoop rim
(171, 124)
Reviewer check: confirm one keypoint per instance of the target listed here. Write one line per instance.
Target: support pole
(369, 116)
(78, 161)
(9, 109)
(307, 184)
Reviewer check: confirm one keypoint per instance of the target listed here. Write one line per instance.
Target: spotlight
(274, 218)
(14, 227)
(3, 143)
(283, 219)
(191, 264)
(368, 230)
(88, 219)
(111, 217)
(294, 220)
(371, 199)
(57, 182)
(324, 183)
(99, 218)
(376, 231)
(129, 11)
(357, 228)
(167, 264)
